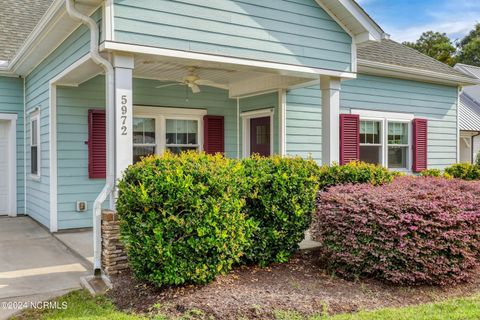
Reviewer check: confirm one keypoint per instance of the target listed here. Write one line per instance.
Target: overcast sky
(405, 20)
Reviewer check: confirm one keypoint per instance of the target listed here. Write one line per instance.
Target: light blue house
(90, 86)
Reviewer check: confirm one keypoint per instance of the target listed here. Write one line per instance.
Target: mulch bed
(301, 285)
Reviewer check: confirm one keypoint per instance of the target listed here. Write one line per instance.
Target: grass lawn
(82, 306)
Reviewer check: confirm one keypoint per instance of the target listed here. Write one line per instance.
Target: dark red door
(260, 136)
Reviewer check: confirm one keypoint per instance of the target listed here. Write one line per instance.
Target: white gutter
(110, 118)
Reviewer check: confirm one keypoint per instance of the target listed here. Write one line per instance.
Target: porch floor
(34, 266)
(80, 242)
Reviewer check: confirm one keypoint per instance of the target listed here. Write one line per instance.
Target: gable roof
(468, 69)
(17, 20)
(469, 113)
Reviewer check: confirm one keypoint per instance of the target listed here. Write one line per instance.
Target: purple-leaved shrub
(411, 231)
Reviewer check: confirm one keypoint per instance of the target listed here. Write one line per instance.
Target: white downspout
(110, 126)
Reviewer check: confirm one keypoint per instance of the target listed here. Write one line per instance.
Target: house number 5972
(123, 118)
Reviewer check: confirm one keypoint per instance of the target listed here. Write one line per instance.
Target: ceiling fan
(193, 81)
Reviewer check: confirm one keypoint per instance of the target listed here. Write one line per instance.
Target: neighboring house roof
(468, 69)
(469, 113)
(393, 53)
(472, 91)
(17, 20)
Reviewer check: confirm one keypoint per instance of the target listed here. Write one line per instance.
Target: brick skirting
(114, 257)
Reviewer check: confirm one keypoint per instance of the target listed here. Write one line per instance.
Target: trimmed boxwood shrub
(281, 198)
(182, 219)
(464, 171)
(412, 231)
(354, 172)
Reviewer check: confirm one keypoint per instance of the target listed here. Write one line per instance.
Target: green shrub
(431, 173)
(464, 171)
(477, 159)
(182, 219)
(354, 172)
(281, 199)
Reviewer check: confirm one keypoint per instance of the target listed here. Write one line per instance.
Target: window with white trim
(35, 144)
(158, 129)
(398, 146)
(385, 138)
(181, 135)
(371, 141)
(144, 138)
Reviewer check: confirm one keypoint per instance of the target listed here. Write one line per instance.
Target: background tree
(436, 45)
(469, 48)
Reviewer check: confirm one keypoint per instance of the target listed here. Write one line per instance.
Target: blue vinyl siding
(11, 101)
(296, 32)
(304, 123)
(73, 106)
(37, 96)
(437, 103)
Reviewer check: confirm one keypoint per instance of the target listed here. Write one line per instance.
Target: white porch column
(330, 88)
(282, 125)
(123, 65)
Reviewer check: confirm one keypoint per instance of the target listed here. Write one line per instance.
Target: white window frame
(385, 118)
(161, 114)
(246, 117)
(35, 116)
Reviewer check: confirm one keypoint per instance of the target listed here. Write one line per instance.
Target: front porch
(164, 103)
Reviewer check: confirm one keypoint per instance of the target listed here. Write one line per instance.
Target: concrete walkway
(34, 266)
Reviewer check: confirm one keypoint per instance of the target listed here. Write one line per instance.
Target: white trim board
(12, 161)
(246, 117)
(286, 69)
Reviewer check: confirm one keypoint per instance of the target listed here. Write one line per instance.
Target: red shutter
(214, 134)
(97, 145)
(349, 138)
(420, 144)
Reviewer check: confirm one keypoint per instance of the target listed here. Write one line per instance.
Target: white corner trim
(53, 157)
(282, 119)
(108, 20)
(246, 117)
(12, 162)
(382, 115)
(288, 69)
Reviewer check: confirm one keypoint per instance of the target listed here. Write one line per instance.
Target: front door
(4, 168)
(260, 136)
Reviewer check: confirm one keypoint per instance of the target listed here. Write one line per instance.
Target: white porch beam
(330, 88)
(123, 65)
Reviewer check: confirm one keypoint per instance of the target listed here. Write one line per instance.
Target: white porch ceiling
(240, 80)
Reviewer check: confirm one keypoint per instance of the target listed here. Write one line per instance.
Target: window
(158, 129)
(371, 141)
(397, 145)
(181, 135)
(144, 142)
(35, 144)
(385, 138)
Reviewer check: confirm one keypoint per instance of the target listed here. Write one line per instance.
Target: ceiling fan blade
(169, 85)
(209, 83)
(195, 88)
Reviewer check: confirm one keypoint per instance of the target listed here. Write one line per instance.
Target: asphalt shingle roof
(17, 20)
(390, 52)
(469, 113)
